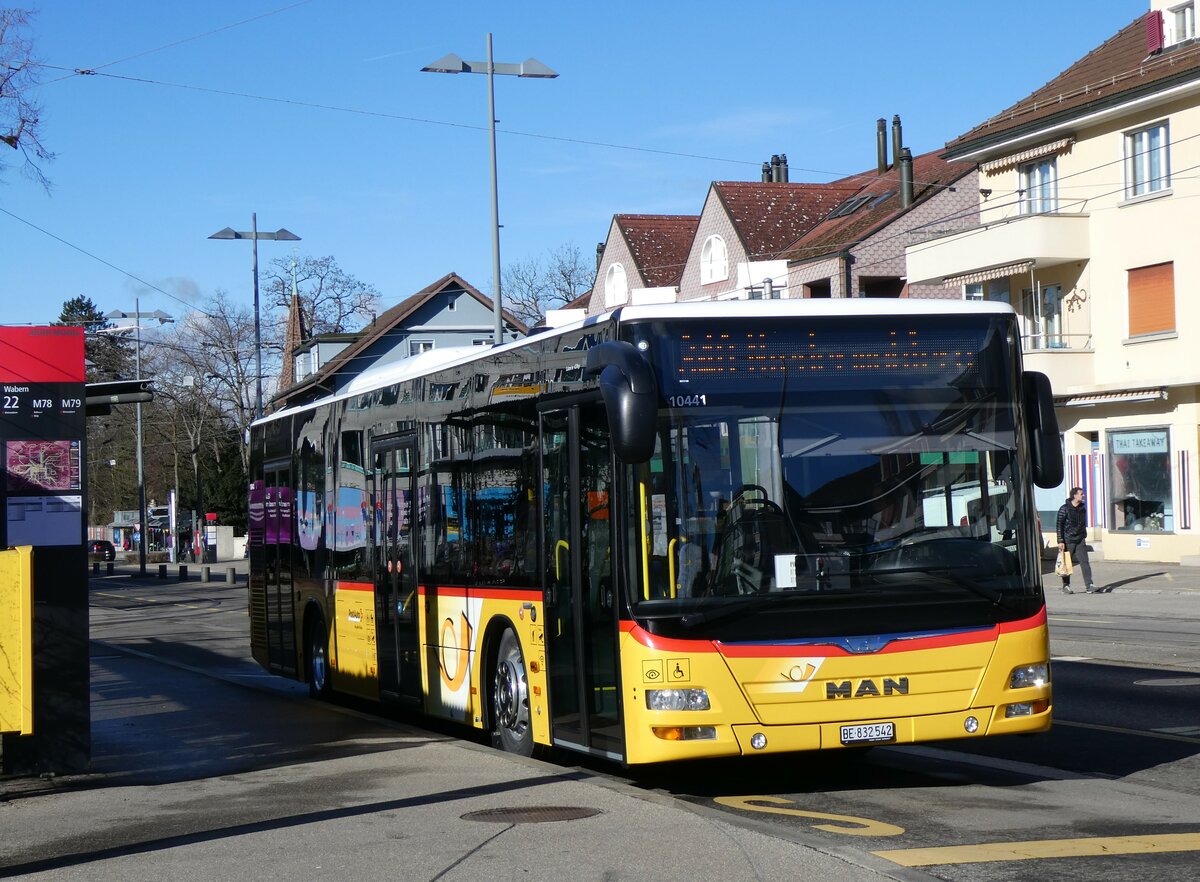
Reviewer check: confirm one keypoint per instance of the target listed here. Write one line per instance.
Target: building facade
(1087, 208)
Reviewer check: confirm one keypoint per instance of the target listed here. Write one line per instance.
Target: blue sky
(146, 172)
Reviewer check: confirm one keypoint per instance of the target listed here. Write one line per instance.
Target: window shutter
(1152, 299)
(1154, 32)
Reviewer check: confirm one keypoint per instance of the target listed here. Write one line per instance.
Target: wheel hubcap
(510, 694)
(318, 666)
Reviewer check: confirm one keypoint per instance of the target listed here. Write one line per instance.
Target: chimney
(599, 255)
(897, 140)
(775, 168)
(766, 173)
(783, 169)
(881, 145)
(906, 177)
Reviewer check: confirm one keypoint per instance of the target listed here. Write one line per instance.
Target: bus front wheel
(318, 659)
(511, 729)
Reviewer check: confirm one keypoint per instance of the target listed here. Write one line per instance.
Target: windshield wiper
(947, 574)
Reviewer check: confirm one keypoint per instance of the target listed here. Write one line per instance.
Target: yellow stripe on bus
(1042, 848)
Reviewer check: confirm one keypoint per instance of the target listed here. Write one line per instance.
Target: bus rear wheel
(318, 659)
(511, 726)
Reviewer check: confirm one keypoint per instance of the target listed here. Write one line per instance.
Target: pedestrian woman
(1071, 527)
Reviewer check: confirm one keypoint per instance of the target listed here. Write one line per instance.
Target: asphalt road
(1112, 792)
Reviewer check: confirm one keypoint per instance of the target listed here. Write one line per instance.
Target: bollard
(183, 577)
(230, 575)
(95, 566)
(205, 574)
(162, 571)
(111, 565)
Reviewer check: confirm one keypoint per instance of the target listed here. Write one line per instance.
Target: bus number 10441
(687, 400)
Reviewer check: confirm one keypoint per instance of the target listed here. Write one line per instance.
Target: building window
(451, 302)
(1152, 299)
(995, 290)
(416, 347)
(1039, 186)
(1147, 162)
(1141, 481)
(482, 341)
(714, 261)
(616, 286)
(1183, 19)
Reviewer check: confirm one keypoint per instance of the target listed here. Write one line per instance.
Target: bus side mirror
(630, 398)
(1045, 445)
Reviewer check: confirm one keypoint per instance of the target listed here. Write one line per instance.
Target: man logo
(802, 672)
(867, 688)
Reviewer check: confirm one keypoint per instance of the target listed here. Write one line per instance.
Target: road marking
(1169, 681)
(1070, 658)
(1073, 620)
(1119, 730)
(151, 600)
(847, 825)
(1045, 848)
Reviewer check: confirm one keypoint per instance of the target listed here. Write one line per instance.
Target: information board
(42, 430)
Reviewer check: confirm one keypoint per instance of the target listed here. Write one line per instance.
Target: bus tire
(317, 655)
(512, 728)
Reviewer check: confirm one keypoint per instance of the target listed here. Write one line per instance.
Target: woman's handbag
(1062, 566)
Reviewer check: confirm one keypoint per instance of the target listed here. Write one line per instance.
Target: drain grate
(537, 814)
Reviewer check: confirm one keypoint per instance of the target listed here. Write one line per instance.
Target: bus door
(395, 580)
(277, 568)
(580, 602)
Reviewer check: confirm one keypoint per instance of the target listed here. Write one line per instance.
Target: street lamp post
(162, 318)
(529, 68)
(254, 235)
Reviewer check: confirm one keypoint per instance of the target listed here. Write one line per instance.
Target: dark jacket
(1071, 525)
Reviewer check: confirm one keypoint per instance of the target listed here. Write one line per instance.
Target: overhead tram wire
(180, 42)
(108, 264)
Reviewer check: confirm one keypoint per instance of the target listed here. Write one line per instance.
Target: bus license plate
(869, 733)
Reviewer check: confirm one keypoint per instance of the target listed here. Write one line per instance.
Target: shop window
(1152, 299)
(1140, 466)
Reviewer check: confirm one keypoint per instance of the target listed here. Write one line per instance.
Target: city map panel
(43, 466)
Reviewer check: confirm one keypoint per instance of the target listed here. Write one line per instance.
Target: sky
(315, 115)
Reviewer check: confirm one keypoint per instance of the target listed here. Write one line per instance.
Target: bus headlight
(677, 699)
(1029, 675)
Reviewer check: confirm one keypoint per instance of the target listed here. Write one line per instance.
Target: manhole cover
(538, 814)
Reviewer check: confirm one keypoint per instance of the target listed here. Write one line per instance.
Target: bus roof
(427, 362)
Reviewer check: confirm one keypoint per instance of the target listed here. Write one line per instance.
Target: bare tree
(331, 300)
(537, 284)
(20, 114)
(215, 347)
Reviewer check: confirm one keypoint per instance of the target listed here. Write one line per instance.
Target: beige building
(1088, 211)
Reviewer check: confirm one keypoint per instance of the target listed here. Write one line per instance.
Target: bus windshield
(869, 463)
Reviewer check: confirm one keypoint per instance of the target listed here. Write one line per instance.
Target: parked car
(102, 547)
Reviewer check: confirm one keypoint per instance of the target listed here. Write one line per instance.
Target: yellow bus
(695, 530)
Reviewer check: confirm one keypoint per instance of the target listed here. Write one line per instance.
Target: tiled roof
(931, 174)
(659, 244)
(770, 216)
(1118, 68)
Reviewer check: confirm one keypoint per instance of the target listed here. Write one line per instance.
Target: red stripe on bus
(355, 586)
(1036, 620)
(667, 644)
(524, 595)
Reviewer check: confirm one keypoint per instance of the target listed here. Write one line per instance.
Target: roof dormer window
(1183, 21)
(714, 261)
(616, 286)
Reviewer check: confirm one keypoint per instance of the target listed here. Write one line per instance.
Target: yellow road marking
(1163, 736)
(1044, 848)
(856, 826)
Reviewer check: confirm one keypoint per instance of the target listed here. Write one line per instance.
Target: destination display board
(42, 430)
